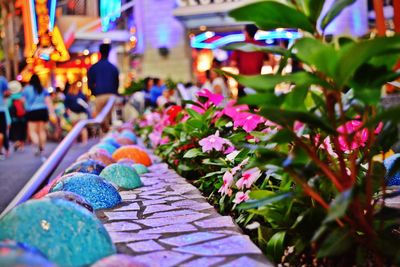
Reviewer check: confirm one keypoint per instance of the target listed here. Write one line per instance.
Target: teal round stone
(13, 254)
(64, 232)
(140, 168)
(106, 146)
(122, 175)
(96, 190)
(128, 134)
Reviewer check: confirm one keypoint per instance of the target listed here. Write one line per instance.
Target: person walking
(39, 109)
(248, 63)
(103, 81)
(77, 108)
(16, 108)
(3, 117)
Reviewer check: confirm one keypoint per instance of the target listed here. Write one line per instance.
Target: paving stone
(123, 237)
(121, 226)
(189, 239)
(121, 215)
(145, 246)
(177, 228)
(152, 192)
(246, 261)
(163, 258)
(171, 213)
(153, 202)
(186, 203)
(167, 220)
(153, 197)
(201, 206)
(218, 222)
(233, 245)
(227, 232)
(128, 195)
(173, 198)
(158, 208)
(204, 262)
(132, 206)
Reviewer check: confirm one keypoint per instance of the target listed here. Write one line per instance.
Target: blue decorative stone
(128, 134)
(106, 146)
(96, 190)
(390, 163)
(13, 254)
(140, 168)
(86, 166)
(70, 196)
(111, 141)
(66, 233)
(122, 175)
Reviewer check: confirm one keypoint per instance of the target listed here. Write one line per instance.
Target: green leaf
(270, 15)
(312, 8)
(259, 194)
(193, 114)
(286, 117)
(338, 206)
(391, 114)
(262, 99)
(252, 204)
(193, 153)
(317, 54)
(353, 56)
(276, 246)
(336, 243)
(336, 8)
(372, 76)
(247, 47)
(295, 99)
(370, 96)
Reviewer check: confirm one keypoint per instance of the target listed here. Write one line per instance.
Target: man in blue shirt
(3, 116)
(103, 81)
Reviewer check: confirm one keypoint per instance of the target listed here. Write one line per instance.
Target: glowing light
(203, 28)
(86, 52)
(52, 14)
(110, 10)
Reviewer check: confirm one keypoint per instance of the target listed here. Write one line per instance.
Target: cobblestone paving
(168, 223)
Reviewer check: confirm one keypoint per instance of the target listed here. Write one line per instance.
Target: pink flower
(359, 138)
(233, 111)
(241, 165)
(247, 121)
(216, 99)
(227, 183)
(248, 178)
(214, 142)
(298, 127)
(240, 197)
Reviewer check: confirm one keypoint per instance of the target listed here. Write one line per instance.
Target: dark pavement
(19, 168)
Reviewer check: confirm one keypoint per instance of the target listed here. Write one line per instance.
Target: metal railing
(51, 164)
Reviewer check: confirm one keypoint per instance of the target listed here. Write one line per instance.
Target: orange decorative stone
(134, 153)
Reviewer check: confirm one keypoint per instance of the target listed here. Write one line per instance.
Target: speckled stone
(13, 254)
(127, 162)
(119, 260)
(123, 141)
(86, 166)
(189, 239)
(68, 234)
(69, 196)
(109, 148)
(103, 157)
(111, 141)
(145, 246)
(128, 134)
(390, 163)
(97, 191)
(122, 175)
(140, 168)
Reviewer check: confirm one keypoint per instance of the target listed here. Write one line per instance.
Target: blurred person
(248, 63)
(207, 83)
(156, 91)
(219, 85)
(16, 107)
(60, 94)
(192, 89)
(167, 98)
(77, 108)
(4, 116)
(141, 99)
(39, 110)
(103, 81)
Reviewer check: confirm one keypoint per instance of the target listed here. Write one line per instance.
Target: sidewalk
(168, 223)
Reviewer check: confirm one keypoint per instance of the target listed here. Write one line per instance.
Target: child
(16, 107)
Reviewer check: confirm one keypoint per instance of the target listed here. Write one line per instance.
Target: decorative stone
(390, 163)
(68, 234)
(119, 260)
(17, 254)
(127, 162)
(103, 157)
(140, 168)
(86, 166)
(128, 134)
(97, 191)
(164, 258)
(45, 190)
(145, 246)
(176, 228)
(189, 239)
(123, 141)
(72, 197)
(233, 245)
(108, 147)
(121, 215)
(121, 226)
(121, 175)
(219, 222)
(110, 140)
(134, 153)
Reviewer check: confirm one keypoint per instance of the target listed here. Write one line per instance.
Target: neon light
(110, 10)
(268, 37)
(33, 21)
(52, 14)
